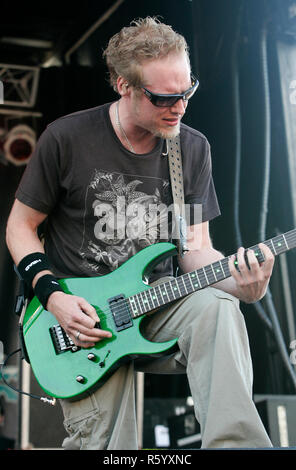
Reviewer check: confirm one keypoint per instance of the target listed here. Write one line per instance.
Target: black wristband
(44, 287)
(31, 265)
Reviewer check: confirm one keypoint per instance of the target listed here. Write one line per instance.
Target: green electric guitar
(122, 300)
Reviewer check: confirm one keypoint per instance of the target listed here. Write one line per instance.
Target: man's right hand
(76, 315)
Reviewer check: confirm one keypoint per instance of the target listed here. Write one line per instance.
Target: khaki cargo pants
(213, 351)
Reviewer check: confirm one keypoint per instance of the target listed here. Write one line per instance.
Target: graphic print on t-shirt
(121, 217)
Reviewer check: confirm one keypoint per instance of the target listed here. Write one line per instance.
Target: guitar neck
(188, 283)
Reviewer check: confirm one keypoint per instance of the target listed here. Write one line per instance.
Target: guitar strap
(176, 176)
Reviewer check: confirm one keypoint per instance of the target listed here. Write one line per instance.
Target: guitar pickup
(120, 312)
(61, 341)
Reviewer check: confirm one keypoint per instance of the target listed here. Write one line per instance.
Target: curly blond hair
(145, 39)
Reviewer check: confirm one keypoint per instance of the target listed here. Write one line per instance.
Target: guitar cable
(20, 306)
(50, 401)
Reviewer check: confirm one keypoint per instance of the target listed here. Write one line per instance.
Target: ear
(122, 86)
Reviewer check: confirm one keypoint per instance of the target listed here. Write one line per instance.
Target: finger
(83, 344)
(235, 270)
(92, 334)
(88, 309)
(267, 265)
(89, 327)
(242, 264)
(90, 338)
(268, 255)
(233, 267)
(87, 340)
(84, 314)
(252, 260)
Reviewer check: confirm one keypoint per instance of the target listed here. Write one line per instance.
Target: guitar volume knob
(80, 379)
(91, 357)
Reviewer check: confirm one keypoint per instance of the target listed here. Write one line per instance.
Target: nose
(179, 107)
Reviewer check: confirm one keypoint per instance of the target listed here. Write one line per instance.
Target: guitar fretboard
(188, 283)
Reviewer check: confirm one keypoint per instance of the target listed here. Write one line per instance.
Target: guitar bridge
(61, 341)
(120, 312)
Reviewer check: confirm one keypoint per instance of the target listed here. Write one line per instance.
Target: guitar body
(122, 300)
(71, 374)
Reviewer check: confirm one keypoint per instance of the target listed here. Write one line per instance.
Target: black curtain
(240, 109)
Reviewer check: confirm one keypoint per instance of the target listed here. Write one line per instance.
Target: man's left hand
(252, 281)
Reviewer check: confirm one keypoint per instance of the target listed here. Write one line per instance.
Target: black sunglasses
(169, 100)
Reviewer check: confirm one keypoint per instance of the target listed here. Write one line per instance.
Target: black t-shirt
(103, 202)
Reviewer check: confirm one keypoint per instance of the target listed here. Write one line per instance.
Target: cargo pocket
(84, 432)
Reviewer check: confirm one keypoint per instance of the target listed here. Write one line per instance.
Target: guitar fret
(132, 305)
(139, 309)
(157, 293)
(146, 301)
(279, 244)
(226, 267)
(222, 268)
(160, 291)
(202, 278)
(218, 270)
(171, 295)
(285, 241)
(206, 275)
(182, 279)
(153, 297)
(291, 236)
(157, 296)
(210, 275)
(190, 280)
(176, 288)
(165, 292)
(186, 291)
(214, 272)
(138, 298)
(164, 285)
(194, 276)
(179, 287)
(188, 283)
(274, 250)
(151, 302)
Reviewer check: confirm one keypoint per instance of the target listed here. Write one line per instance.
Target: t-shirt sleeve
(200, 193)
(40, 184)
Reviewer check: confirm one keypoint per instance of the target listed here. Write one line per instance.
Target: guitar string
(189, 288)
(158, 296)
(122, 304)
(282, 242)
